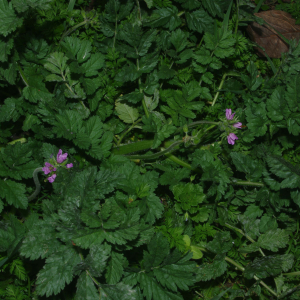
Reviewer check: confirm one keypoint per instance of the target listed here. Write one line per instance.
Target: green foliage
(154, 201)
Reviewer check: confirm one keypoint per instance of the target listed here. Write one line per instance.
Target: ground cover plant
(147, 152)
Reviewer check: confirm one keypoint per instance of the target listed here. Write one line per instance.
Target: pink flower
(231, 138)
(237, 125)
(229, 115)
(48, 168)
(52, 178)
(61, 157)
(69, 166)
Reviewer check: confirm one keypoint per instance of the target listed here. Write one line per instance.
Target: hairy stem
(156, 155)
(37, 184)
(241, 268)
(139, 10)
(178, 161)
(292, 274)
(249, 183)
(245, 235)
(231, 73)
(115, 35)
(73, 29)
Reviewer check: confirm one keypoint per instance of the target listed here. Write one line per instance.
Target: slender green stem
(158, 154)
(292, 274)
(140, 82)
(230, 73)
(194, 124)
(289, 292)
(129, 129)
(132, 147)
(236, 264)
(139, 10)
(201, 41)
(145, 108)
(73, 29)
(87, 272)
(237, 18)
(241, 268)
(181, 13)
(218, 92)
(265, 286)
(209, 128)
(178, 161)
(23, 76)
(244, 234)
(116, 26)
(249, 183)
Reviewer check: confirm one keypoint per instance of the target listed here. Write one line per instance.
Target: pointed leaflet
(179, 39)
(246, 164)
(221, 243)
(283, 169)
(57, 272)
(86, 288)
(177, 274)
(216, 7)
(90, 133)
(23, 5)
(166, 17)
(267, 266)
(8, 19)
(158, 249)
(16, 161)
(71, 45)
(153, 290)
(126, 113)
(57, 63)
(41, 241)
(222, 45)
(189, 4)
(118, 291)
(199, 21)
(188, 195)
(5, 49)
(292, 96)
(256, 118)
(276, 104)
(11, 109)
(207, 272)
(67, 124)
(95, 63)
(13, 193)
(274, 239)
(114, 270)
(97, 259)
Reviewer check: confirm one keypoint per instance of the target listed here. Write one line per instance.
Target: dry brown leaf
(267, 37)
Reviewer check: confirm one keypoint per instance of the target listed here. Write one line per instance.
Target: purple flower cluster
(49, 168)
(232, 137)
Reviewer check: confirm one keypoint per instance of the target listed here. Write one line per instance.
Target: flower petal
(237, 125)
(229, 114)
(52, 178)
(46, 170)
(69, 165)
(61, 157)
(231, 138)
